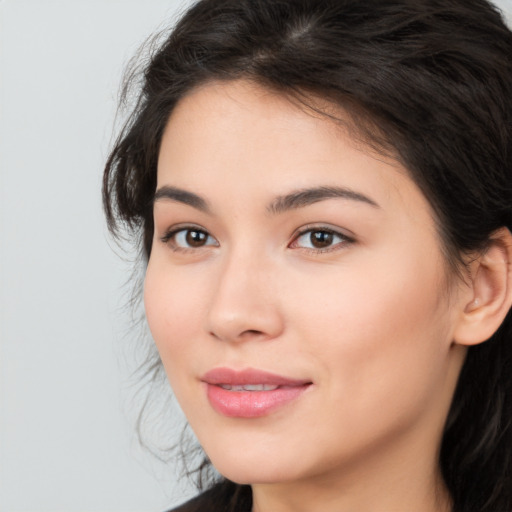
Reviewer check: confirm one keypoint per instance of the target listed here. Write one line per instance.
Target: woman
(323, 192)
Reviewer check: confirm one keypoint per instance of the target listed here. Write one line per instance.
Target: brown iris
(196, 238)
(321, 239)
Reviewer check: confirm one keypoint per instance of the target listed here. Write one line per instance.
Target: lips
(250, 393)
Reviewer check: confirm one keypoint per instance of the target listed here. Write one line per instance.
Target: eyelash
(343, 239)
(169, 238)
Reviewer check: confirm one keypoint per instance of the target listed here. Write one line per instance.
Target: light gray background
(67, 442)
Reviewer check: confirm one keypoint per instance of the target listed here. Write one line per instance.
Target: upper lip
(247, 376)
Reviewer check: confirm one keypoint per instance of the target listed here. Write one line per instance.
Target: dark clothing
(223, 497)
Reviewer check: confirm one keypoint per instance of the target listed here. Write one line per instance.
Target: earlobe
(488, 297)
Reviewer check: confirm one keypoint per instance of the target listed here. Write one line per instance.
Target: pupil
(321, 239)
(196, 238)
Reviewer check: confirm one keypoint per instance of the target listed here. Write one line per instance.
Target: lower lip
(251, 404)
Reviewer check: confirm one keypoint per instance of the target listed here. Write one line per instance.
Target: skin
(369, 319)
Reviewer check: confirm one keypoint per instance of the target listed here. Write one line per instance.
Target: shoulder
(222, 497)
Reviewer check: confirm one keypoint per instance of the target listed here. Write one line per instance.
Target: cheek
(381, 333)
(171, 305)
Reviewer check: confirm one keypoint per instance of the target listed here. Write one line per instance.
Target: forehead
(247, 125)
(255, 142)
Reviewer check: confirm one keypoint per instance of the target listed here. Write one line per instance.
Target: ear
(488, 296)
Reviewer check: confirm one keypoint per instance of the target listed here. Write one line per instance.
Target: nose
(244, 302)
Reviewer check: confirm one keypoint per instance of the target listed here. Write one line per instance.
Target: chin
(247, 475)
(242, 467)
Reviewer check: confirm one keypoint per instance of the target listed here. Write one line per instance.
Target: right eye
(189, 238)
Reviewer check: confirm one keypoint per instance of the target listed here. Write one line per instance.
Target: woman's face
(296, 292)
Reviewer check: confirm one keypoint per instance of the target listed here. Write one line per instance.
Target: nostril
(244, 335)
(213, 335)
(252, 331)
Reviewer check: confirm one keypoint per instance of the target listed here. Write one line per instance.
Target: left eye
(319, 239)
(191, 238)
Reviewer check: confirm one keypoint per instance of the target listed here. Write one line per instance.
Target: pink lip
(250, 404)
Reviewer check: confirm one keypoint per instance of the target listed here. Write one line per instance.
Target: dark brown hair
(429, 80)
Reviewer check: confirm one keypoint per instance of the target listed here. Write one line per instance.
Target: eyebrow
(305, 197)
(181, 196)
(293, 200)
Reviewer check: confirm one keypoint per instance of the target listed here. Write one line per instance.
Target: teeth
(259, 387)
(249, 387)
